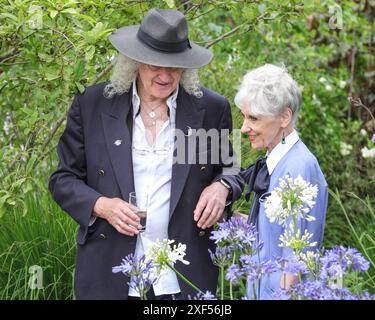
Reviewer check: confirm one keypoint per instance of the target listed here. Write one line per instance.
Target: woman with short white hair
(270, 100)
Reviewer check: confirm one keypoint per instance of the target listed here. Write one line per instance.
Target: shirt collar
(274, 157)
(171, 101)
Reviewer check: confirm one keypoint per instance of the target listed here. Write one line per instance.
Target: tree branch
(103, 72)
(223, 36)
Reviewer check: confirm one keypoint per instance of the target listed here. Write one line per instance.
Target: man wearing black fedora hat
(122, 137)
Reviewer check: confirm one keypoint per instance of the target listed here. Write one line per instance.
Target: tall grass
(44, 237)
(362, 231)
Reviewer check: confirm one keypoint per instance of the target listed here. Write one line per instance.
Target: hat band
(161, 45)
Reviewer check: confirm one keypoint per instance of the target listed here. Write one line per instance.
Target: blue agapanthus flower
(237, 234)
(295, 266)
(208, 295)
(142, 273)
(255, 270)
(234, 273)
(222, 256)
(339, 260)
(319, 290)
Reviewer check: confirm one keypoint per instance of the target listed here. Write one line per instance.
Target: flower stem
(230, 282)
(254, 291)
(183, 278)
(222, 283)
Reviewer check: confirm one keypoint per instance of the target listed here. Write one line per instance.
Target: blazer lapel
(188, 117)
(117, 132)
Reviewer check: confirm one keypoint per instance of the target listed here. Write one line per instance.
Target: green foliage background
(52, 49)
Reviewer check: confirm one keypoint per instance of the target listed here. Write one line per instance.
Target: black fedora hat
(161, 40)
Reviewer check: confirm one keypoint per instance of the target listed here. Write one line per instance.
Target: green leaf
(79, 69)
(11, 201)
(70, 11)
(30, 163)
(89, 19)
(4, 198)
(53, 13)
(8, 15)
(80, 87)
(90, 51)
(170, 3)
(50, 75)
(18, 183)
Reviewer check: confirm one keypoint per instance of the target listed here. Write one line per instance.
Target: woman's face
(157, 82)
(265, 132)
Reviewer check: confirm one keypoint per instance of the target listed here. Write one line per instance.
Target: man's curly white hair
(125, 71)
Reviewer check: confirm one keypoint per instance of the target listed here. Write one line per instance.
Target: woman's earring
(283, 138)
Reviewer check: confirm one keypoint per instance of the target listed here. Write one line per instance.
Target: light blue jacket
(297, 161)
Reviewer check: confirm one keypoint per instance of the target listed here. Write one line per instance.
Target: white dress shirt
(152, 168)
(277, 153)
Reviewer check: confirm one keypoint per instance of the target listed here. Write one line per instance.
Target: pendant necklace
(152, 113)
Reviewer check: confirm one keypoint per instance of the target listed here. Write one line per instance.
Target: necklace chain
(152, 113)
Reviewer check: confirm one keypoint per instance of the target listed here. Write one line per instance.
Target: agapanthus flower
(339, 260)
(254, 270)
(222, 256)
(312, 260)
(208, 295)
(126, 265)
(221, 234)
(234, 273)
(318, 290)
(236, 234)
(293, 239)
(281, 294)
(164, 253)
(294, 265)
(143, 273)
(293, 197)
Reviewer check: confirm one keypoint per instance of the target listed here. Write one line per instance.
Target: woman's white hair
(125, 71)
(268, 91)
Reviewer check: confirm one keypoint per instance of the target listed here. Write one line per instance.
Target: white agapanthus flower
(164, 253)
(292, 198)
(293, 239)
(309, 256)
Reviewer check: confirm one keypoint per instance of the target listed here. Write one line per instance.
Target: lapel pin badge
(189, 131)
(117, 142)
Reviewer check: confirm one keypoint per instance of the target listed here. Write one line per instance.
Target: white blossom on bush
(368, 153)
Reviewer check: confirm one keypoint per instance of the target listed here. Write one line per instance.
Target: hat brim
(126, 42)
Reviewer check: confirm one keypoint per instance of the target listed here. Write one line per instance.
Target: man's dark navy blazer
(91, 165)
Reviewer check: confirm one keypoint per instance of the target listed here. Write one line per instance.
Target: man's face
(158, 82)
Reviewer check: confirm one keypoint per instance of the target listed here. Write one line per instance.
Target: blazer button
(201, 233)
(102, 236)
(101, 172)
(203, 168)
